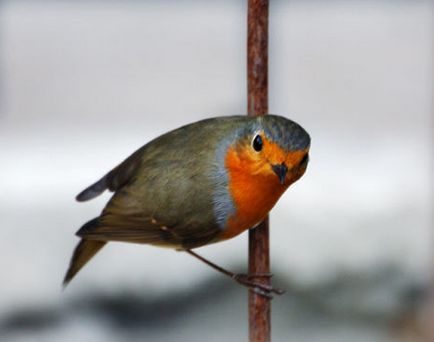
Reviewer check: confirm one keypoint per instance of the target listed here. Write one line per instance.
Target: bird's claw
(259, 275)
(259, 288)
(262, 292)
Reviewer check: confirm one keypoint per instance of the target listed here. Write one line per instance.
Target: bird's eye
(257, 143)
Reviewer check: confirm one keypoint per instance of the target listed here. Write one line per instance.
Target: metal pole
(257, 97)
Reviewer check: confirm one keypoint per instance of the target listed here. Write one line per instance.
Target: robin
(202, 183)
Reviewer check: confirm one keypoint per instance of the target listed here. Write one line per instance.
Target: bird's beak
(280, 170)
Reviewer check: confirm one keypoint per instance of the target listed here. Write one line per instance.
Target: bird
(199, 184)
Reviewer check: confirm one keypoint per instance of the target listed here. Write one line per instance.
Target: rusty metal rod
(257, 104)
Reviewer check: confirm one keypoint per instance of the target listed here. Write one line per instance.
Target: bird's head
(272, 148)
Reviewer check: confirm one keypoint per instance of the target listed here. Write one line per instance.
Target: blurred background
(85, 83)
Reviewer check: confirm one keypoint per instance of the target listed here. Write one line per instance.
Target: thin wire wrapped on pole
(257, 88)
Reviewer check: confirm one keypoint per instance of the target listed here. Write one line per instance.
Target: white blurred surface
(82, 85)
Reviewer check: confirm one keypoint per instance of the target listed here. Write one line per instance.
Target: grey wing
(160, 206)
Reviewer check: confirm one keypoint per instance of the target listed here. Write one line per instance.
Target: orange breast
(254, 193)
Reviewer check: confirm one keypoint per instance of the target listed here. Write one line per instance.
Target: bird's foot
(249, 281)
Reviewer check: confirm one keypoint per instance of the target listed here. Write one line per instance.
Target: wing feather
(138, 229)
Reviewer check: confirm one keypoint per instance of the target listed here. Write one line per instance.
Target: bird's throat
(254, 193)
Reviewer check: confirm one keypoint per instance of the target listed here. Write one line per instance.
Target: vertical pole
(257, 97)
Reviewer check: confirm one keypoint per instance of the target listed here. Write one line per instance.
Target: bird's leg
(243, 279)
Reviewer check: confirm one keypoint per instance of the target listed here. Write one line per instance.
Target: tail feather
(93, 190)
(84, 251)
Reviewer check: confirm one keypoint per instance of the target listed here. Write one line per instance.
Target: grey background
(84, 84)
